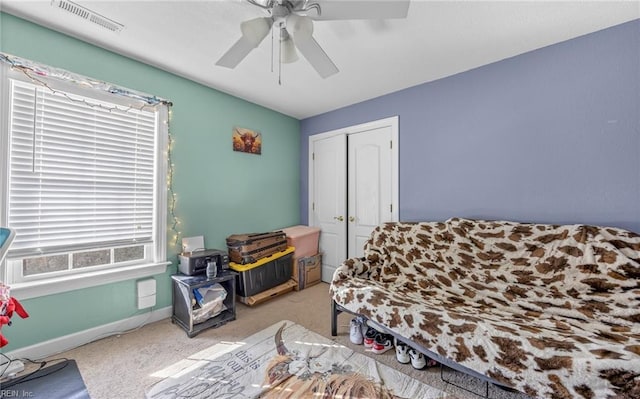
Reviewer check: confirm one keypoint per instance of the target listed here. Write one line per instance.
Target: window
(84, 181)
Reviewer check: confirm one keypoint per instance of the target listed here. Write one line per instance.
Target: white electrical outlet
(147, 301)
(146, 293)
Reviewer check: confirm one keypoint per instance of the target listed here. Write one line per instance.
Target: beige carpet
(124, 366)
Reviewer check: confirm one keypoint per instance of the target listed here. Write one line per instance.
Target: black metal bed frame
(443, 361)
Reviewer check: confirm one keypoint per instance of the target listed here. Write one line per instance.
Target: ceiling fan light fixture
(299, 25)
(288, 49)
(255, 30)
(296, 29)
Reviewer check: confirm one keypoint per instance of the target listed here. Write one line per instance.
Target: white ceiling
(437, 39)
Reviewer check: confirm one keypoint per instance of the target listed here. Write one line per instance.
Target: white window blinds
(81, 172)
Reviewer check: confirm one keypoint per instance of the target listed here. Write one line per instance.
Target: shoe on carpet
(355, 331)
(370, 337)
(417, 359)
(363, 325)
(431, 362)
(382, 343)
(402, 352)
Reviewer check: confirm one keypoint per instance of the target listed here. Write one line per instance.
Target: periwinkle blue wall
(552, 135)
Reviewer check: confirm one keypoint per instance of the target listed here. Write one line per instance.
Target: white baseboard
(62, 344)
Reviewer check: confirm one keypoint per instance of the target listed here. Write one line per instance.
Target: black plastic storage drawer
(266, 273)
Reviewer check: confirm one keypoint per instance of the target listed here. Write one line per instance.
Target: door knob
(352, 219)
(338, 218)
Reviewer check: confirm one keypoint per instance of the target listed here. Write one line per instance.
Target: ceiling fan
(294, 21)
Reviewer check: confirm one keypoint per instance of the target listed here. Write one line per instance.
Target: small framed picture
(246, 140)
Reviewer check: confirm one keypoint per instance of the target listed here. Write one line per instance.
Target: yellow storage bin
(264, 274)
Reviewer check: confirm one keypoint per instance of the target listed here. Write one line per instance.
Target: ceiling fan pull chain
(272, 50)
(280, 57)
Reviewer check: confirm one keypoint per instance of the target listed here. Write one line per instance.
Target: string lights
(37, 81)
(175, 222)
(33, 71)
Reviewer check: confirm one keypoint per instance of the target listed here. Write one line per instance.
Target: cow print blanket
(550, 310)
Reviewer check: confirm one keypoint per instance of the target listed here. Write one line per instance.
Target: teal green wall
(219, 192)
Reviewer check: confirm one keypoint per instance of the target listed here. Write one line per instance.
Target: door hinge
(391, 144)
(313, 156)
(313, 206)
(391, 208)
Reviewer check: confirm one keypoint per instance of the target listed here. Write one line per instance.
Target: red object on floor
(6, 312)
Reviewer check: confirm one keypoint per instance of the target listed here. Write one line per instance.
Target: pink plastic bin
(304, 239)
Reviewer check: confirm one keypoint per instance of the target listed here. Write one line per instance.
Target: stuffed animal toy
(8, 306)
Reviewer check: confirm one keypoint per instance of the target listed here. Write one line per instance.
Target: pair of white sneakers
(357, 330)
(405, 354)
(360, 333)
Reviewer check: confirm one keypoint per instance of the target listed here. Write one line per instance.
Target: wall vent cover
(89, 15)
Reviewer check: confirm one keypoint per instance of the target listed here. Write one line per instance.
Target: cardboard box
(312, 271)
(268, 294)
(307, 271)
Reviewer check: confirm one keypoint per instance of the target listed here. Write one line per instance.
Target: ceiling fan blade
(300, 29)
(236, 53)
(253, 33)
(362, 9)
(316, 56)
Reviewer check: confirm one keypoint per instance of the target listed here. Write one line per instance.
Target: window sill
(58, 285)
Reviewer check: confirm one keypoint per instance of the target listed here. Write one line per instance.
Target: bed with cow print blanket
(550, 310)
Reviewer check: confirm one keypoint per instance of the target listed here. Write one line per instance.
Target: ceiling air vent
(89, 15)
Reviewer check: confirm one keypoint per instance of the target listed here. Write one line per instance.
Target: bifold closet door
(369, 185)
(328, 200)
(353, 187)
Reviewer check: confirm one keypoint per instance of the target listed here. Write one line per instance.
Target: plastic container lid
(300, 231)
(260, 262)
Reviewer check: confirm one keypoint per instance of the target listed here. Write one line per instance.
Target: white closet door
(369, 179)
(369, 168)
(328, 205)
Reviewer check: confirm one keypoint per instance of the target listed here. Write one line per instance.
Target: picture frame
(247, 140)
